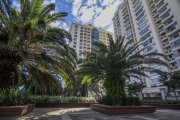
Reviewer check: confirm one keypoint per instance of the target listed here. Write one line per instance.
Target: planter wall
(57, 105)
(122, 109)
(16, 110)
(166, 106)
(152, 98)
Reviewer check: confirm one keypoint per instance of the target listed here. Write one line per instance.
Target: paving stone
(88, 114)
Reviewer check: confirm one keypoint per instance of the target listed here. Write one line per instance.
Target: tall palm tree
(42, 48)
(117, 62)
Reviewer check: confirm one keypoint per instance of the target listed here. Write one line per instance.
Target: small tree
(171, 80)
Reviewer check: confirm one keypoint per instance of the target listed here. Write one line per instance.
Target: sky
(96, 12)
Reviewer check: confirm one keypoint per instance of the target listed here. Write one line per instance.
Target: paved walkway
(88, 114)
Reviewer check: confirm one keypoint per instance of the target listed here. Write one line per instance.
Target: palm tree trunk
(175, 95)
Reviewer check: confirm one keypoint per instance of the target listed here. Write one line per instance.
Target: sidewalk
(88, 114)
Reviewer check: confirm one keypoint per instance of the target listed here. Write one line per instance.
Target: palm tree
(42, 48)
(171, 80)
(4, 6)
(117, 62)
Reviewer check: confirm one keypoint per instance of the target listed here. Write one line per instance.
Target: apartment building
(83, 37)
(156, 24)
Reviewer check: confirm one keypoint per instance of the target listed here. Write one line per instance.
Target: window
(145, 36)
(150, 48)
(175, 43)
(137, 8)
(75, 35)
(155, 78)
(140, 16)
(81, 40)
(142, 20)
(94, 35)
(74, 42)
(75, 32)
(162, 9)
(128, 28)
(147, 42)
(166, 14)
(143, 26)
(136, 4)
(144, 31)
(177, 53)
(126, 16)
(171, 28)
(139, 12)
(74, 46)
(80, 47)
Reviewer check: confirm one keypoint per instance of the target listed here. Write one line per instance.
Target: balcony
(171, 60)
(166, 44)
(164, 38)
(173, 32)
(133, 1)
(157, 20)
(159, 3)
(168, 18)
(168, 51)
(162, 6)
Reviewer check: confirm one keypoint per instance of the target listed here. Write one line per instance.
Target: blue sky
(97, 12)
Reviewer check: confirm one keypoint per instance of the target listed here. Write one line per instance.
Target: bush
(58, 99)
(12, 97)
(161, 101)
(114, 100)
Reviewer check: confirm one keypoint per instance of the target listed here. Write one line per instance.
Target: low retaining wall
(122, 109)
(16, 110)
(166, 106)
(57, 105)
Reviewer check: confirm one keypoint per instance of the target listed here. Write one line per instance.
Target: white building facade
(156, 24)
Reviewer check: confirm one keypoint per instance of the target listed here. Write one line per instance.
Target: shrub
(114, 100)
(59, 99)
(161, 101)
(12, 97)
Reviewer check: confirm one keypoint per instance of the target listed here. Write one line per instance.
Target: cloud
(98, 12)
(49, 1)
(59, 24)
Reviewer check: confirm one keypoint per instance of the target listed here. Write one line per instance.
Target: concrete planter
(65, 105)
(16, 110)
(166, 106)
(110, 110)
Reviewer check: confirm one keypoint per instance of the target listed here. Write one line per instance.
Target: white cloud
(88, 11)
(60, 24)
(110, 29)
(49, 1)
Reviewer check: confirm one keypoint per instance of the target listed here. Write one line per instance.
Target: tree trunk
(115, 85)
(175, 95)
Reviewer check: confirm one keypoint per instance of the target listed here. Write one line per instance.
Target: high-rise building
(83, 37)
(156, 24)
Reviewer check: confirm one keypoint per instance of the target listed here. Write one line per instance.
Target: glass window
(139, 11)
(155, 78)
(144, 31)
(126, 16)
(140, 16)
(177, 53)
(136, 4)
(150, 48)
(175, 43)
(94, 35)
(147, 42)
(74, 46)
(137, 8)
(143, 26)
(141, 21)
(170, 28)
(162, 9)
(75, 35)
(166, 14)
(145, 36)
